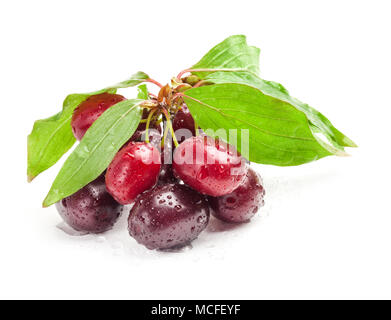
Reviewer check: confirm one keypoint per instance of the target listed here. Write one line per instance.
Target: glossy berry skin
(91, 209)
(154, 134)
(167, 175)
(183, 120)
(90, 110)
(209, 166)
(134, 169)
(168, 216)
(241, 204)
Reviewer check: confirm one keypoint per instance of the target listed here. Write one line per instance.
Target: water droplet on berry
(202, 174)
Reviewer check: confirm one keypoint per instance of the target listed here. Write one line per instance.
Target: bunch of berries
(174, 187)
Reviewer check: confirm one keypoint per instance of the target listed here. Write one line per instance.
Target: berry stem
(147, 125)
(164, 134)
(169, 125)
(159, 121)
(152, 95)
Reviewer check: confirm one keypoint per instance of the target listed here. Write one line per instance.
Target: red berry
(209, 166)
(241, 204)
(134, 169)
(183, 124)
(91, 209)
(90, 110)
(168, 216)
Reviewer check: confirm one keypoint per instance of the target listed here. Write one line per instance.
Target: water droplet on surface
(100, 239)
(178, 250)
(70, 231)
(117, 245)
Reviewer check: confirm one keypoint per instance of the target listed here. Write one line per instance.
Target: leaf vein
(258, 128)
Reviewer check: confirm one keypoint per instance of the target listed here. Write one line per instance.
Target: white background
(325, 231)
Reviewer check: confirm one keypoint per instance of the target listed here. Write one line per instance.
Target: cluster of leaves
(283, 131)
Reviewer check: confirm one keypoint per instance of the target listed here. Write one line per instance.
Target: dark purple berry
(241, 204)
(183, 124)
(91, 209)
(168, 216)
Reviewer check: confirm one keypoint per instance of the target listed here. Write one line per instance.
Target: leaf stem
(154, 82)
(180, 74)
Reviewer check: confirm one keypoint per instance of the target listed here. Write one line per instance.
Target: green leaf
(232, 53)
(134, 80)
(142, 92)
(318, 122)
(96, 150)
(51, 138)
(279, 133)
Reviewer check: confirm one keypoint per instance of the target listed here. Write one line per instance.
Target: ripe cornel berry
(183, 120)
(90, 110)
(134, 169)
(91, 209)
(168, 216)
(209, 166)
(241, 204)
